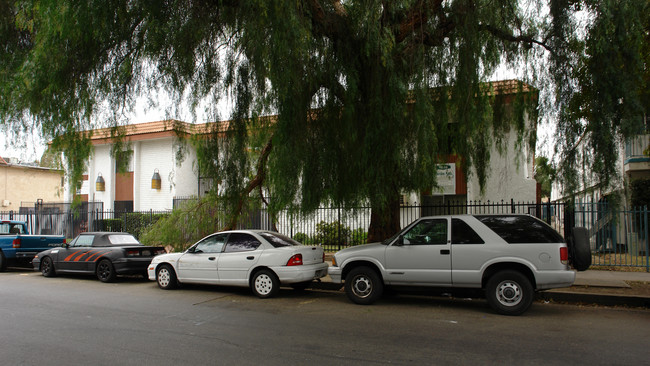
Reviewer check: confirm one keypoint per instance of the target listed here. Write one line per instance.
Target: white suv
(509, 256)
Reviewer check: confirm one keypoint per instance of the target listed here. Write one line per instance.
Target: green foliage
(113, 225)
(358, 236)
(333, 233)
(640, 193)
(544, 174)
(185, 225)
(613, 87)
(369, 95)
(303, 238)
(135, 222)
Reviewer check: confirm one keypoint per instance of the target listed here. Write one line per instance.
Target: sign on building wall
(84, 188)
(446, 178)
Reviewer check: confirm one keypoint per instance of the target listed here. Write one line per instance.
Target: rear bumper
(131, 265)
(554, 279)
(304, 273)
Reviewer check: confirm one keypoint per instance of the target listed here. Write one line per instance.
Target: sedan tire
(363, 285)
(106, 271)
(166, 277)
(47, 267)
(265, 284)
(509, 292)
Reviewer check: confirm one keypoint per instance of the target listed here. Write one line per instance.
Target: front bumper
(151, 271)
(304, 273)
(335, 274)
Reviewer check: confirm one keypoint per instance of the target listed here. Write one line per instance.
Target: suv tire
(509, 292)
(363, 285)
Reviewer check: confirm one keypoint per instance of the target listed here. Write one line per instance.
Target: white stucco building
(151, 148)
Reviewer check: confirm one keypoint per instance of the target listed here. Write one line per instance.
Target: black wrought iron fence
(618, 236)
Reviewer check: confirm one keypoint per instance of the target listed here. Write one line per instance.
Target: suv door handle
(445, 251)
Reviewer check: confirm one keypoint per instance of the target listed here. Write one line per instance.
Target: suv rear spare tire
(579, 249)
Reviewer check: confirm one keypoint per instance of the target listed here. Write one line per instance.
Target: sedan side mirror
(400, 240)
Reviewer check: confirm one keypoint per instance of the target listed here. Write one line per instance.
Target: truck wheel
(509, 292)
(166, 277)
(3, 262)
(105, 271)
(363, 285)
(265, 284)
(580, 249)
(47, 267)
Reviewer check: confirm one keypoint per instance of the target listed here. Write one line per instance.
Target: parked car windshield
(279, 240)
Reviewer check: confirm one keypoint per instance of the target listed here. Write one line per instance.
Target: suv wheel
(509, 292)
(363, 285)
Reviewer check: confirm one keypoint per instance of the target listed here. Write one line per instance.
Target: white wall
(102, 162)
(178, 178)
(186, 173)
(510, 176)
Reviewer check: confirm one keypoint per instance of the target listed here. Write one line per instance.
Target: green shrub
(185, 225)
(112, 225)
(334, 233)
(359, 236)
(303, 238)
(640, 192)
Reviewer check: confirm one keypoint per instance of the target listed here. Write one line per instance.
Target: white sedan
(263, 260)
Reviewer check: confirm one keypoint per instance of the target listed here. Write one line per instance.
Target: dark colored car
(103, 254)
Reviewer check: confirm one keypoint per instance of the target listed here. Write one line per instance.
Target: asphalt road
(78, 321)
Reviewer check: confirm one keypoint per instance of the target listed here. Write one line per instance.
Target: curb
(595, 299)
(548, 295)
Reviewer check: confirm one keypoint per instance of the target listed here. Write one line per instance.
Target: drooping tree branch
(256, 182)
(507, 36)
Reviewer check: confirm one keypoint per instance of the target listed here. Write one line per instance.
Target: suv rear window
(521, 229)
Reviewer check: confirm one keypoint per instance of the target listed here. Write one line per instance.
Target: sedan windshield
(279, 240)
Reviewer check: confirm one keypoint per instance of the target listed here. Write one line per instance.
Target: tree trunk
(384, 221)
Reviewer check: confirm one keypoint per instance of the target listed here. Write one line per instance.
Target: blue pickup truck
(18, 247)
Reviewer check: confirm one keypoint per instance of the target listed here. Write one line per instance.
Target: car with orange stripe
(104, 254)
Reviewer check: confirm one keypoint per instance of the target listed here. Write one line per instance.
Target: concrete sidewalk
(602, 288)
(590, 287)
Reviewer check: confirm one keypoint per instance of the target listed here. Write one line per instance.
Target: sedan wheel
(363, 285)
(105, 271)
(166, 277)
(509, 293)
(265, 284)
(47, 267)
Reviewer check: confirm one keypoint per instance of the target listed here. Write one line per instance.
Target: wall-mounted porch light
(100, 184)
(156, 182)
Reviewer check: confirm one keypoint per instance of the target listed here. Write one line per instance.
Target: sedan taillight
(564, 255)
(296, 260)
